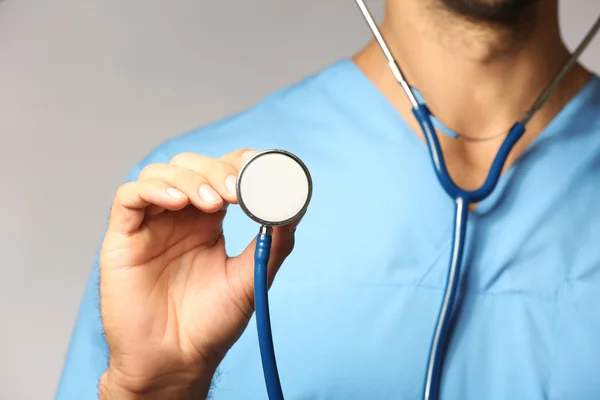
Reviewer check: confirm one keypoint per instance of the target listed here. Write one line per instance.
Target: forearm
(111, 389)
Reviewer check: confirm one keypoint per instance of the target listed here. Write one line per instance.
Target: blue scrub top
(355, 305)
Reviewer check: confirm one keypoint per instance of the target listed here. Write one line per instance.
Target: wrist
(115, 385)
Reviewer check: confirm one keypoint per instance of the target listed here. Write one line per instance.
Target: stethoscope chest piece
(274, 187)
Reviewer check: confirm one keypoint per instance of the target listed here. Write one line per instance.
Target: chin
(501, 12)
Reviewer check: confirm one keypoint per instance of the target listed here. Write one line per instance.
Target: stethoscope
(274, 188)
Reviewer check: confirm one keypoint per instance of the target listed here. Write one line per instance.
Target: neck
(477, 79)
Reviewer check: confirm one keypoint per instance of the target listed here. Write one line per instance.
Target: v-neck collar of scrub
(379, 107)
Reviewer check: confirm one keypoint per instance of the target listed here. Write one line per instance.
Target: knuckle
(122, 191)
(190, 178)
(237, 154)
(223, 169)
(185, 158)
(123, 194)
(149, 170)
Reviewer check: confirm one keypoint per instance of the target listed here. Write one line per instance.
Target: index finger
(239, 157)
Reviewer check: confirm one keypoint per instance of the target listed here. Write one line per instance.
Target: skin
(173, 302)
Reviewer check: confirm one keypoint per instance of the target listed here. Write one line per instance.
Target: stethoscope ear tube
(462, 198)
(423, 117)
(515, 133)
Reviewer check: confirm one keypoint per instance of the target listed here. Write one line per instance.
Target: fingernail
(230, 182)
(208, 194)
(248, 154)
(175, 193)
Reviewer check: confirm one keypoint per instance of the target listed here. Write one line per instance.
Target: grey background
(89, 88)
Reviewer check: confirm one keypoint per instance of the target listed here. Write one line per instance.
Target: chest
(354, 306)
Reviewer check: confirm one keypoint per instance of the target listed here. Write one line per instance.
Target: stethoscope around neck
(274, 188)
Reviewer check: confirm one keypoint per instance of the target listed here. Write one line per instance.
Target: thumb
(281, 247)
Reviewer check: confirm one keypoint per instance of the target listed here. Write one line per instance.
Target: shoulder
(280, 120)
(285, 119)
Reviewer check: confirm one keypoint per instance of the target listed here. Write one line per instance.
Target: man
(355, 304)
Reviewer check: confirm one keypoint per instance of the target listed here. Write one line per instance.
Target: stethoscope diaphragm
(274, 187)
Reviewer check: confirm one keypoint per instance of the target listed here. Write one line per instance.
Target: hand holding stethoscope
(172, 300)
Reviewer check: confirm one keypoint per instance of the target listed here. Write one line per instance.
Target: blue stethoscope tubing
(262, 314)
(462, 199)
